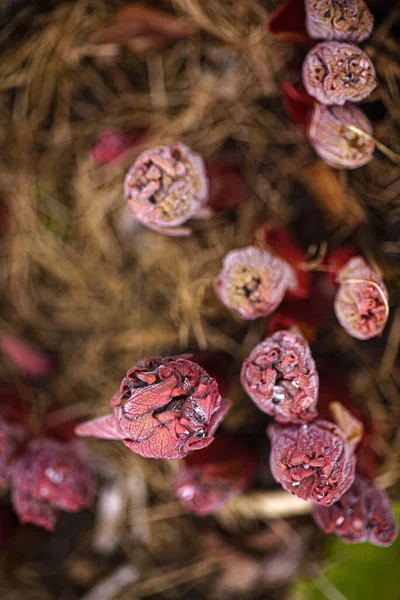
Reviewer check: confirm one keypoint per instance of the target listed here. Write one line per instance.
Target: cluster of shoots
(336, 74)
(171, 407)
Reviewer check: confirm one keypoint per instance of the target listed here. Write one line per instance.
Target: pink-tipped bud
(281, 379)
(253, 282)
(312, 461)
(333, 140)
(363, 514)
(207, 479)
(165, 408)
(336, 72)
(345, 20)
(361, 302)
(165, 187)
(48, 477)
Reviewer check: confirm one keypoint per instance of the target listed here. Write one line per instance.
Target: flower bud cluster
(336, 73)
(311, 457)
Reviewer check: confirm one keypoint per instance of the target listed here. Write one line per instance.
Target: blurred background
(85, 86)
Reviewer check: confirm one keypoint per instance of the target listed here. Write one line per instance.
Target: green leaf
(355, 572)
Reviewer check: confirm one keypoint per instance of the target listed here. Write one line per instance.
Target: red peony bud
(363, 514)
(297, 103)
(361, 302)
(209, 478)
(332, 140)
(281, 379)
(111, 144)
(335, 73)
(227, 186)
(253, 282)
(338, 20)
(165, 187)
(49, 476)
(312, 461)
(287, 23)
(165, 408)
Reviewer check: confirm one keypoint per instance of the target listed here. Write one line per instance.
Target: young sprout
(337, 72)
(363, 514)
(361, 302)
(207, 479)
(253, 282)
(281, 379)
(332, 133)
(165, 408)
(50, 476)
(165, 187)
(312, 461)
(345, 20)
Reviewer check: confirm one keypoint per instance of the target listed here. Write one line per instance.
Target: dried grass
(82, 280)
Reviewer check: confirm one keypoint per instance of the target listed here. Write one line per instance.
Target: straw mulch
(80, 279)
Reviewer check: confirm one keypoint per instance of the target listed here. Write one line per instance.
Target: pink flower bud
(281, 379)
(361, 302)
(165, 187)
(336, 72)
(333, 141)
(253, 282)
(312, 461)
(344, 20)
(49, 476)
(165, 408)
(363, 514)
(209, 478)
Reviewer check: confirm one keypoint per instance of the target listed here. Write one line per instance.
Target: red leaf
(227, 186)
(337, 259)
(297, 103)
(333, 387)
(140, 28)
(30, 361)
(288, 23)
(272, 235)
(111, 144)
(3, 214)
